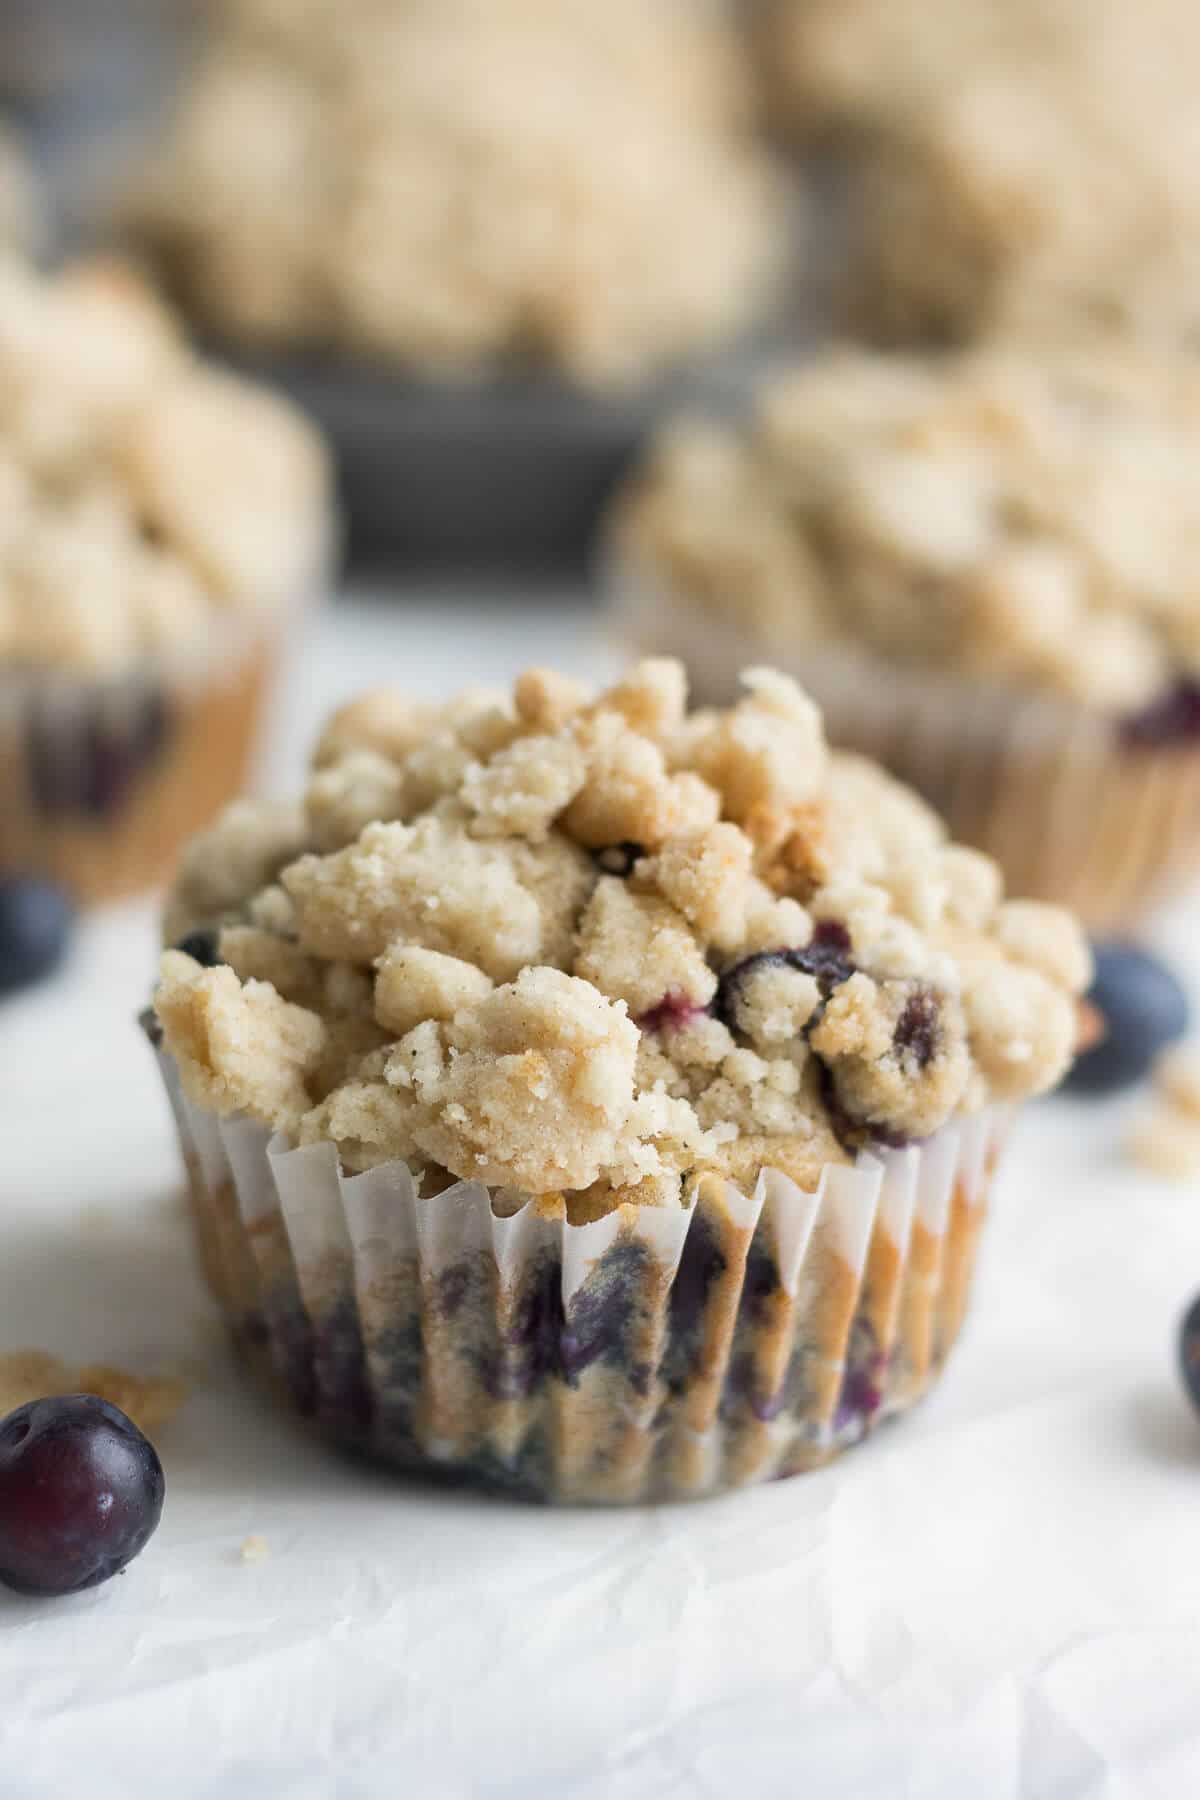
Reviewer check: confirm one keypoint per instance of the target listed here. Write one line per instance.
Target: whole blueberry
(35, 925)
(81, 1493)
(1189, 1351)
(1141, 1009)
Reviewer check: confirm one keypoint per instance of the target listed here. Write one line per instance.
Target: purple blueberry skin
(1189, 1352)
(201, 946)
(826, 958)
(1172, 723)
(35, 926)
(81, 1494)
(1144, 1009)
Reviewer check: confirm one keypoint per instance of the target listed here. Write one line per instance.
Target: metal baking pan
(510, 472)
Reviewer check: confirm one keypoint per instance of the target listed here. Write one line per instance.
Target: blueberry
(81, 1494)
(1189, 1351)
(826, 957)
(1142, 1009)
(201, 946)
(919, 1027)
(1171, 723)
(35, 923)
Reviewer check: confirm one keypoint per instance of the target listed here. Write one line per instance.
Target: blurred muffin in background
(1028, 165)
(159, 523)
(451, 184)
(984, 568)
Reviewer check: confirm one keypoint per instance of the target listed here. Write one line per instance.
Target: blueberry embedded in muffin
(790, 964)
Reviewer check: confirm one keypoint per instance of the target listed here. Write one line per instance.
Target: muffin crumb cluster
(452, 184)
(591, 949)
(144, 496)
(1016, 518)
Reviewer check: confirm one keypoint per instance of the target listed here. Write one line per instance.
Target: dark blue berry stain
(701, 1266)
(673, 1011)
(339, 1367)
(453, 1286)
(826, 958)
(202, 947)
(530, 1350)
(87, 765)
(1172, 723)
(862, 1384)
(917, 1028)
(602, 1313)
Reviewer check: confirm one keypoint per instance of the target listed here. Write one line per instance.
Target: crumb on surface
(35, 1375)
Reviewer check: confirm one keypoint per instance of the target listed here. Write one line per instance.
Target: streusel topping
(143, 495)
(456, 183)
(613, 946)
(1008, 164)
(1016, 518)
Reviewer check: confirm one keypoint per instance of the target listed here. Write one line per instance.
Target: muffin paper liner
(656, 1353)
(104, 777)
(1071, 811)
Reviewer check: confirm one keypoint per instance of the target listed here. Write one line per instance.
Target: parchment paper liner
(656, 1353)
(105, 777)
(1071, 812)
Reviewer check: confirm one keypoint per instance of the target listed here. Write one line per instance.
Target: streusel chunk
(1020, 517)
(148, 501)
(452, 185)
(554, 979)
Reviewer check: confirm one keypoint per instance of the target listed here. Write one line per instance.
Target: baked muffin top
(144, 495)
(590, 949)
(455, 184)
(1019, 516)
(1011, 163)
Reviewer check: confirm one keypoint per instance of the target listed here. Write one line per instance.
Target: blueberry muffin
(160, 523)
(453, 186)
(982, 567)
(595, 1098)
(1023, 166)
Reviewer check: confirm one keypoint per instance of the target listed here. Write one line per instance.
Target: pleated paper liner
(656, 1353)
(1071, 811)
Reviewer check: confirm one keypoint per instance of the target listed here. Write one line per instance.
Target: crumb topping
(484, 987)
(143, 494)
(537, 178)
(1014, 166)
(1013, 517)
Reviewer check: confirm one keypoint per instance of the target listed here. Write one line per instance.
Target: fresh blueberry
(1189, 1351)
(202, 947)
(81, 1494)
(1141, 1009)
(35, 924)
